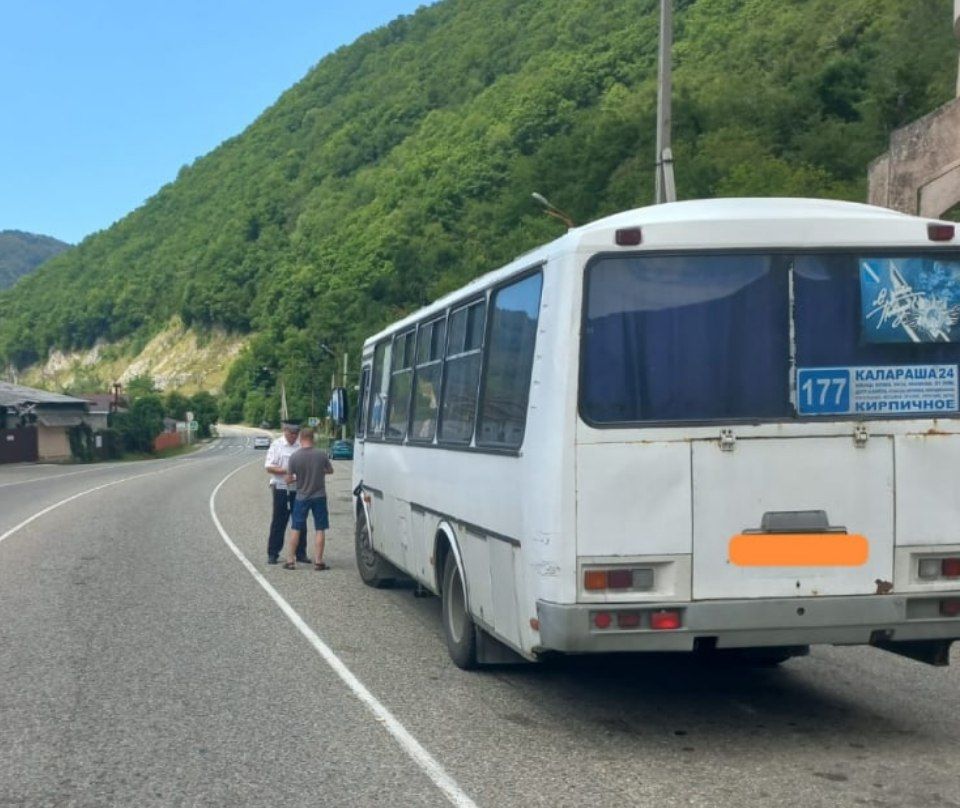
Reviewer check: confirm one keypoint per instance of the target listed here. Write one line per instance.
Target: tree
(139, 386)
(176, 405)
(206, 411)
(401, 166)
(141, 423)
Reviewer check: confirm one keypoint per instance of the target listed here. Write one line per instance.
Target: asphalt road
(143, 663)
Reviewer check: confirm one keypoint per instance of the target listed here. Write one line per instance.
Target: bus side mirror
(338, 406)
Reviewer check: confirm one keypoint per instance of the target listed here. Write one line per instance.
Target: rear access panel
(749, 539)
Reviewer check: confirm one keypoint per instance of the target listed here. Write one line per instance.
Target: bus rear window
(685, 338)
(856, 310)
(708, 337)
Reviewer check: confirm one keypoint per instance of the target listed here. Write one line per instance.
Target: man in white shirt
(276, 465)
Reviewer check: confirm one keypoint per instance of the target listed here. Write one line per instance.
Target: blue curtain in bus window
(909, 299)
(671, 338)
(830, 300)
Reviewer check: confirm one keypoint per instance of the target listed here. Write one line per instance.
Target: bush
(205, 411)
(141, 424)
(111, 444)
(81, 443)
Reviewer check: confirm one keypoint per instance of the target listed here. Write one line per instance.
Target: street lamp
(327, 350)
(552, 210)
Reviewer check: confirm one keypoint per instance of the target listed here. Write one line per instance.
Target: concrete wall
(168, 440)
(956, 33)
(921, 172)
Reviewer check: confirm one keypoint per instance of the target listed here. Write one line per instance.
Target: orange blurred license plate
(799, 550)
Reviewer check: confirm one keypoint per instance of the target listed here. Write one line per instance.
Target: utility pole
(666, 187)
(343, 427)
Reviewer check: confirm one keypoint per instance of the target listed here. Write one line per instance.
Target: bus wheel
(458, 628)
(374, 570)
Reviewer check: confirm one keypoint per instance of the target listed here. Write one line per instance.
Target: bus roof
(735, 223)
(760, 223)
(744, 209)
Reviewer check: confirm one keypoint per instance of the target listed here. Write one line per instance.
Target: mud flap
(491, 651)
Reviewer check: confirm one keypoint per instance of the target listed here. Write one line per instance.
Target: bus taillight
(950, 607)
(665, 620)
(602, 619)
(637, 579)
(620, 579)
(634, 619)
(932, 568)
(628, 619)
(595, 580)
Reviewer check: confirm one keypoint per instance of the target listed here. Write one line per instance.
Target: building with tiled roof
(35, 424)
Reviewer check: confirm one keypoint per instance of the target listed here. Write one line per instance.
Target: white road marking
(57, 476)
(384, 717)
(56, 505)
(102, 466)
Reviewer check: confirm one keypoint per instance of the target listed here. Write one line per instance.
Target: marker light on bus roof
(632, 236)
(940, 232)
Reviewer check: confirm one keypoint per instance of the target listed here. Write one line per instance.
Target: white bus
(726, 424)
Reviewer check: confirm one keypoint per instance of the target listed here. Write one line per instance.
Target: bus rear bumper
(856, 620)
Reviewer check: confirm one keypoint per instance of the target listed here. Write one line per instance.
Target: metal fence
(20, 445)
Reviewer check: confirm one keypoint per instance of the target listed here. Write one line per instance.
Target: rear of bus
(768, 444)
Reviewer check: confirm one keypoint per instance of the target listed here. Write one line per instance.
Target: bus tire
(374, 570)
(458, 628)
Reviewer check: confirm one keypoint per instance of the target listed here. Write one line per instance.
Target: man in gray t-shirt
(308, 467)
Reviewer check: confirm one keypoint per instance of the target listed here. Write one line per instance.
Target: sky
(103, 101)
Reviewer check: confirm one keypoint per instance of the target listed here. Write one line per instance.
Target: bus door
(361, 428)
(792, 517)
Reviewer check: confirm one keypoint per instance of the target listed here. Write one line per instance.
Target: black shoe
(303, 560)
(272, 560)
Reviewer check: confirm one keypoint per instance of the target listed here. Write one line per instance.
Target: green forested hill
(21, 253)
(402, 165)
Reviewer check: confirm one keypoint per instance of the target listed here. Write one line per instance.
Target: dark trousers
(282, 506)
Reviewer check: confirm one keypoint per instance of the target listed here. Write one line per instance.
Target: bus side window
(362, 402)
(426, 386)
(509, 361)
(379, 387)
(461, 373)
(401, 382)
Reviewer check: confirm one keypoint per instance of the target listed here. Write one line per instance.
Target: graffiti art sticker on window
(910, 299)
(882, 390)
